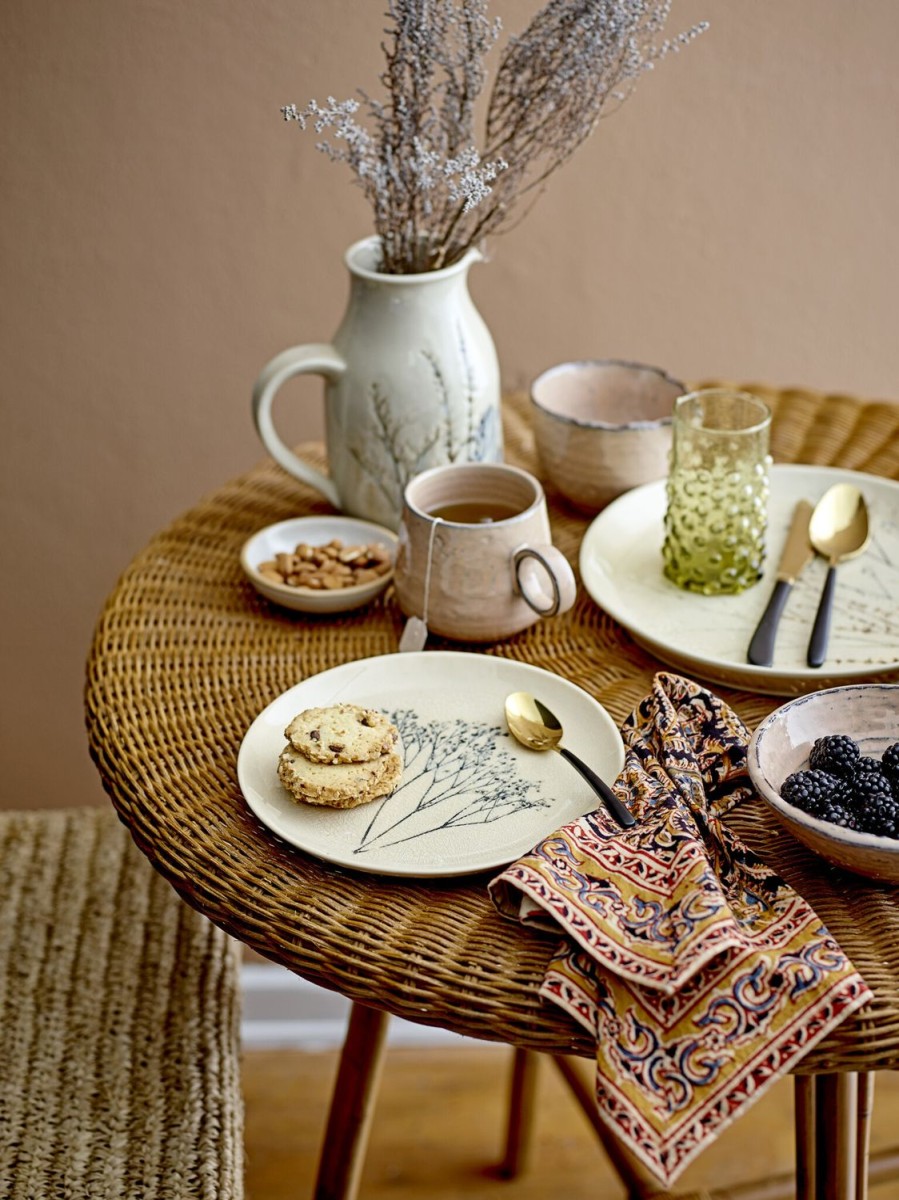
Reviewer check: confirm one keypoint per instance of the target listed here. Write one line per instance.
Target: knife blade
(796, 555)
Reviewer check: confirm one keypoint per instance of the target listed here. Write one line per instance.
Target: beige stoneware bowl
(869, 713)
(602, 427)
(316, 531)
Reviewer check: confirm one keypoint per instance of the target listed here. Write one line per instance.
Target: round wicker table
(186, 654)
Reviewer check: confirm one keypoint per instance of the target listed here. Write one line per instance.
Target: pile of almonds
(328, 567)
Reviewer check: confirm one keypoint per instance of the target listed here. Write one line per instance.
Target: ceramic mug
(475, 558)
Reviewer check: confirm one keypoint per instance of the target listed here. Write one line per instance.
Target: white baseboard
(282, 1010)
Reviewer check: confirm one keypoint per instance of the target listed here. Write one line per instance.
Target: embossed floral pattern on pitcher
(412, 381)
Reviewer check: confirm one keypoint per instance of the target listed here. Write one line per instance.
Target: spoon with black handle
(531, 723)
(839, 529)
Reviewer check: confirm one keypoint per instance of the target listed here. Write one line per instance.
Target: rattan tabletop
(186, 654)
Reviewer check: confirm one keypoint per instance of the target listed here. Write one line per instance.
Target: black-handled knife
(797, 554)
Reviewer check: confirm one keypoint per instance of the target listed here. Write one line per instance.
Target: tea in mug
(475, 512)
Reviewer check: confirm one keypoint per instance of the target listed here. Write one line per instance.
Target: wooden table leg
(352, 1108)
(836, 1126)
(863, 1145)
(806, 1143)
(521, 1113)
(640, 1184)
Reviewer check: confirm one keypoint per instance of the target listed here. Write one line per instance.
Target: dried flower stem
(433, 194)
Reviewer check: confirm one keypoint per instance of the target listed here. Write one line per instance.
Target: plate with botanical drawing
(470, 798)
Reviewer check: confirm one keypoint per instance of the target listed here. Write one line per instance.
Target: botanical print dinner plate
(708, 636)
(470, 798)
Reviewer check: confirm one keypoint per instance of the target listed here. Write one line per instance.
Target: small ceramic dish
(868, 713)
(602, 427)
(285, 536)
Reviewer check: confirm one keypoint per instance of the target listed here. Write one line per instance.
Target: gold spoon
(531, 723)
(838, 530)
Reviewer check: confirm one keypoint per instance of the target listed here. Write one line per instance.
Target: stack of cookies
(340, 756)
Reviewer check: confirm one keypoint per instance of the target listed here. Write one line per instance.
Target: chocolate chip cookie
(338, 784)
(341, 733)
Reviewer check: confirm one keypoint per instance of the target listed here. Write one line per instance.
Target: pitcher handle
(318, 358)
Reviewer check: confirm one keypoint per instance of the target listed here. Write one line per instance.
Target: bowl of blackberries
(828, 765)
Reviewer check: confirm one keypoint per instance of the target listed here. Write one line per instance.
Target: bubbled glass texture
(717, 491)
(715, 529)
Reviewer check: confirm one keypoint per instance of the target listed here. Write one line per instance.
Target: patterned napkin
(702, 974)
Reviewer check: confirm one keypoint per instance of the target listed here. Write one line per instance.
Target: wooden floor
(439, 1128)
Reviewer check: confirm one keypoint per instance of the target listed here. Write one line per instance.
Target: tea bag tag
(415, 632)
(414, 635)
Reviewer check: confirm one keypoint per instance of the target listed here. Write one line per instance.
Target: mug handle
(319, 358)
(531, 579)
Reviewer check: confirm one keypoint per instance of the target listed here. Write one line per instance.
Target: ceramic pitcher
(411, 382)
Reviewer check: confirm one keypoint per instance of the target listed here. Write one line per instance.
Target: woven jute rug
(119, 1022)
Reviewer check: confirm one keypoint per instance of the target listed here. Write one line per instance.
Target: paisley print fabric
(703, 976)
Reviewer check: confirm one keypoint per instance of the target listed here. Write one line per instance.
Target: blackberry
(869, 789)
(837, 754)
(866, 766)
(811, 790)
(872, 783)
(890, 764)
(836, 813)
(879, 814)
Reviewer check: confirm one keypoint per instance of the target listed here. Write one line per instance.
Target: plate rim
(418, 871)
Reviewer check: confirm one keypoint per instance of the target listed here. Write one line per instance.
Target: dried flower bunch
(434, 194)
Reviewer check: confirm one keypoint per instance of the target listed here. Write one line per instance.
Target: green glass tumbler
(717, 490)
